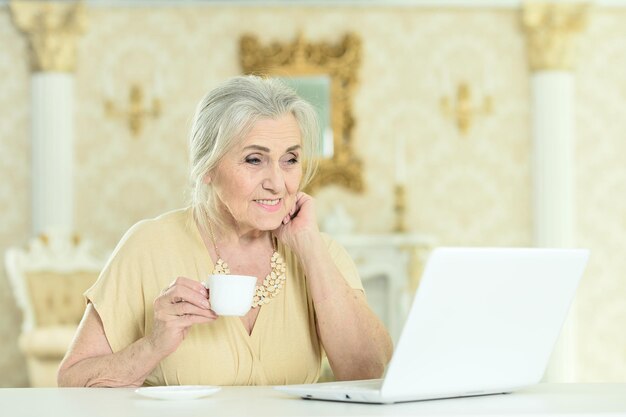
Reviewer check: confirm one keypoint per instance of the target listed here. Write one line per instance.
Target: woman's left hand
(300, 223)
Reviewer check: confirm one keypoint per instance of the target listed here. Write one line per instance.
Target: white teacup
(231, 295)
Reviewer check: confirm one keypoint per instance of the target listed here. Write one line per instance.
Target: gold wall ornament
(399, 208)
(463, 110)
(52, 28)
(550, 29)
(340, 63)
(135, 113)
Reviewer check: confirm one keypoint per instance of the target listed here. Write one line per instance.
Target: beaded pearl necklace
(273, 282)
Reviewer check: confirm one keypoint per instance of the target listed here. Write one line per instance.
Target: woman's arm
(90, 361)
(356, 342)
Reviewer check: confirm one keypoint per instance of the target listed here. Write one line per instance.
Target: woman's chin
(271, 225)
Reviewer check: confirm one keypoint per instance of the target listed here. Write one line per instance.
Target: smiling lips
(270, 205)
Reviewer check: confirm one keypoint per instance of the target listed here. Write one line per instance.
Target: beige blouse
(283, 348)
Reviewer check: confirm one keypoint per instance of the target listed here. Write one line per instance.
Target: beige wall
(601, 202)
(464, 190)
(14, 184)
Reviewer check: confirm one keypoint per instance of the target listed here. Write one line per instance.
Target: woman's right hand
(184, 303)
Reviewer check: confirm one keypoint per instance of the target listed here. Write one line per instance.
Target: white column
(553, 170)
(550, 27)
(553, 158)
(52, 151)
(52, 28)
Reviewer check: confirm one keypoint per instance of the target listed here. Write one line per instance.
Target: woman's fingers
(181, 300)
(188, 283)
(182, 304)
(187, 309)
(181, 293)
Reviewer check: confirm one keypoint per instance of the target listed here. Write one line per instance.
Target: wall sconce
(136, 113)
(399, 208)
(399, 189)
(464, 110)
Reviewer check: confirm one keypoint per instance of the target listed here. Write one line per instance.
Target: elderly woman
(149, 320)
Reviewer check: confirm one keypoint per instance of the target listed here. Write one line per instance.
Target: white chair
(48, 279)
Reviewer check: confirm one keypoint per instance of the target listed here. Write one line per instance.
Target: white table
(541, 400)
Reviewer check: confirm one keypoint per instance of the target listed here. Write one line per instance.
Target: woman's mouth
(270, 205)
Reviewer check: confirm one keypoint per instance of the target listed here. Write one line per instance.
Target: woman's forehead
(283, 131)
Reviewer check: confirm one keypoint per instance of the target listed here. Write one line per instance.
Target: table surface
(539, 400)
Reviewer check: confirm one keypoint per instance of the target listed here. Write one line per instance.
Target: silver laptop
(483, 321)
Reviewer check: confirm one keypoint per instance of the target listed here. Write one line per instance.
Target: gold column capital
(550, 28)
(52, 28)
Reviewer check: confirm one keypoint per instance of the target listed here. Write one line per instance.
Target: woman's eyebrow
(257, 147)
(264, 149)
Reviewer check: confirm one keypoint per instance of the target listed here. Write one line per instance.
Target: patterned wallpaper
(463, 190)
(601, 181)
(14, 186)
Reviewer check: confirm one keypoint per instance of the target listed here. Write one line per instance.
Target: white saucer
(176, 392)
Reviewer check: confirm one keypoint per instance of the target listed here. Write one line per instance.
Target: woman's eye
(253, 160)
(292, 159)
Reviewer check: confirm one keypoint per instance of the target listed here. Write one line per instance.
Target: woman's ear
(207, 178)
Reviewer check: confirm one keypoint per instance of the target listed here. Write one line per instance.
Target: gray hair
(225, 116)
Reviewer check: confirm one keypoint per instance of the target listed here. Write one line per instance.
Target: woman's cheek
(289, 203)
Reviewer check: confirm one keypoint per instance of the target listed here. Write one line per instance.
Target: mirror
(325, 75)
(316, 90)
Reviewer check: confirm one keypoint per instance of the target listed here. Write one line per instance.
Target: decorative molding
(473, 4)
(426, 4)
(338, 61)
(52, 29)
(550, 28)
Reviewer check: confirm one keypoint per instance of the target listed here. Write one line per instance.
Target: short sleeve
(118, 296)
(344, 263)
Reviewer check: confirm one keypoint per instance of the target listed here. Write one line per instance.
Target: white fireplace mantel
(390, 267)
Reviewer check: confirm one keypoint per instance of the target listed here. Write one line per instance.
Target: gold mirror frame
(340, 62)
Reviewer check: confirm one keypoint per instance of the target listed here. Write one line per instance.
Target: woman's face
(257, 180)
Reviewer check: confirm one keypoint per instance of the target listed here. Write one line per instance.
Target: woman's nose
(275, 179)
